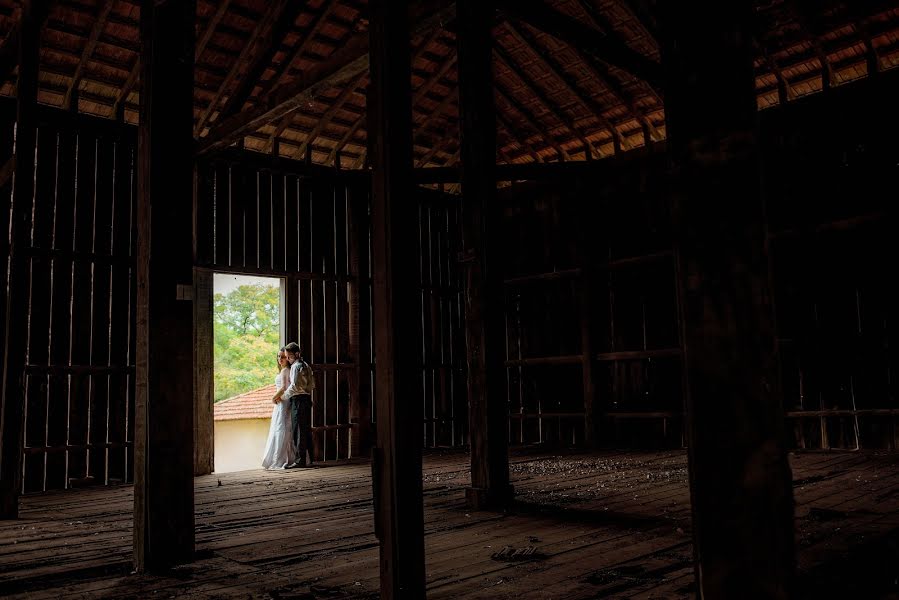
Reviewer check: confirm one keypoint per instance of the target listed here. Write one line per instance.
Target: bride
(279, 447)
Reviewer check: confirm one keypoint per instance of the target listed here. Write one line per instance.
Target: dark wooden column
(740, 477)
(360, 324)
(29, 33)
(164, 412)
(484, 321)
(399, 521)
(204, 388)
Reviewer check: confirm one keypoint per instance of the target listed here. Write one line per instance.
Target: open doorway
(246, 338)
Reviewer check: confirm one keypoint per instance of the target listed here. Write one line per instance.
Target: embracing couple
(290, 434)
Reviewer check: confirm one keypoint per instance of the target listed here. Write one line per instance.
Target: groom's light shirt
(302, 381)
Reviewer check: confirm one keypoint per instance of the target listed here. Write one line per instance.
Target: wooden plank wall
(831, 226)
(271, 220)
(833, 240)
(442, 313)
(609, 240)
(80, 358)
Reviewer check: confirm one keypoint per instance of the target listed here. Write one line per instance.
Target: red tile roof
(255, 404)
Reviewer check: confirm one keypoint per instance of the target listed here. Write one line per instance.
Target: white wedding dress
(279, 447)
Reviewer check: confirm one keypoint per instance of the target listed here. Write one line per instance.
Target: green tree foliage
(246, 339)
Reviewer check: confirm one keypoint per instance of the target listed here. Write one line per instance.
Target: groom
(299, 394)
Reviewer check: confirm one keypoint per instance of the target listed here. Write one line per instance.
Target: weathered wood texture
(15, 339)
(79, 369)
(79, 260)
(269, 218)
(740, 482)
(204, 387)
(610, 524)
(611, 231)
(397, 456)
(488, 413)
(312, 230)
(443, 354)
(164, 411)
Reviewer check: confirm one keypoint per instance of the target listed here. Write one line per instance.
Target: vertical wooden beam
(164, 413)
(360, 323)
(740, 478)
(484, 322)
(399, 519)
(29, 32)
(204, 391)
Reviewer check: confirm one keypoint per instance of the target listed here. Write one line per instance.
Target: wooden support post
(14, 356)
(399, 517)
(484, 322)
(204, 391)
(164, 412)
(740, 478)
(360, 324)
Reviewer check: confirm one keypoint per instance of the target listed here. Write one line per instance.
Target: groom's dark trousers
(301, 411)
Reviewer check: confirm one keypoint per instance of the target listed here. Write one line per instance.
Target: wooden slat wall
(80, 361)
(275, 222)
(833, 229)
(832, 221)
(609, 242)
(442, 305)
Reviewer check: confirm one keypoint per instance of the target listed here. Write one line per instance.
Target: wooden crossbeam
(86, 53)
(538, 93)
(528, 149)
(337, 71)
(274, 11)
(273, 40)
(437, 112)
(600, 71)
(799, 11)
(569, 83)
(644, 17)
(329, 114)
(531, 121)
(346, 138)
(575, 33)
(284, 66)
(287, 119)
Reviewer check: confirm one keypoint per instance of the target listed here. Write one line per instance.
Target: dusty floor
(605, 525)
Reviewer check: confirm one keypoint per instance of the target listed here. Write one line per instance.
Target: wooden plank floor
(613, 525)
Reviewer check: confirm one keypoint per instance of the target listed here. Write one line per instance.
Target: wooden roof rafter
(531, 121)
(537, 92)
(600, 72)
(784, 90)
(271, 43)
(827, 73)
(262, 25)
(9, 47)
(336, 71)
(282, 68)
(644, 17)
(436, 113)
(118, 108)
(572, 31)
(523, 36)
(527, 148)
(89, 47)
(325, 119)
(346, 139)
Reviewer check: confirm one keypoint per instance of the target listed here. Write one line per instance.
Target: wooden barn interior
(597, 294)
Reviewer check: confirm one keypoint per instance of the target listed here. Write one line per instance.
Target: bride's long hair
(278, 358)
